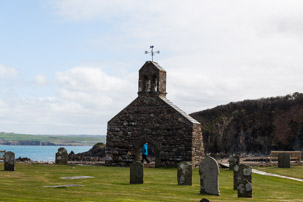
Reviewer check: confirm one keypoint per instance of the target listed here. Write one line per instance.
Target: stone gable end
(152, 118)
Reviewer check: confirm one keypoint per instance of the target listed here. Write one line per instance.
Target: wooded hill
(253, 126)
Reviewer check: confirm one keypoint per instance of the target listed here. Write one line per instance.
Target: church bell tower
(152, 80)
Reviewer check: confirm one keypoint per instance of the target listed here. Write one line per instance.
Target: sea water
(41, 153)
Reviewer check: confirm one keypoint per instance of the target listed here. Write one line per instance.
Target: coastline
(39, 153)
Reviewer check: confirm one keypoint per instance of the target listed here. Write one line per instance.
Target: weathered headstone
(243, 180)
(9, 161)
(209, 176)
(245, 189)
(241, 172)
(61, 156)
(284, 160)
(233, 161)
(136, 173)
(185, 173)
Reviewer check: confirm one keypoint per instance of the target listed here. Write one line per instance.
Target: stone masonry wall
(197, 145)
(175, 136)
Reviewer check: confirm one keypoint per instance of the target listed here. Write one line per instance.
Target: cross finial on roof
(152, 52)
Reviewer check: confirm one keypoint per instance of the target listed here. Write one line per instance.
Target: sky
(69, 66)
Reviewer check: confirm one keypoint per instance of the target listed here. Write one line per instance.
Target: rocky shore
(95, 154)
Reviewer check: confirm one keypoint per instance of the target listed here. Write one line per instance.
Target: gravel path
(275, 175)
(226, 165)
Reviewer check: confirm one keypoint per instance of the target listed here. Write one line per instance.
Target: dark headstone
(9, 161)
(243, 180)
(204, 200)
(284, 160)
(241, 172)
(136, 173)
(245, 189)
(61, 156)
(233, 161)
(185, 173)
(209, 176)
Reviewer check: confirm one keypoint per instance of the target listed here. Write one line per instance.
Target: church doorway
(153, 154)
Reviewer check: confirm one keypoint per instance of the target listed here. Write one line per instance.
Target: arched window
(145, 83)
(154, 84)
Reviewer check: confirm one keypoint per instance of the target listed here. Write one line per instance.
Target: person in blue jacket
(144, 153)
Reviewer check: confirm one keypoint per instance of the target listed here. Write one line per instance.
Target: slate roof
(167, 101)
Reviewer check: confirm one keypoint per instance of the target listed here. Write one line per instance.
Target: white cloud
(40, 79)
(87, 98)
(7, 72)
(214, 52)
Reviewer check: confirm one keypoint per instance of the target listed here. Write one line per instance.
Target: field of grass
(55, 139)
(111, 184)
(294, 171)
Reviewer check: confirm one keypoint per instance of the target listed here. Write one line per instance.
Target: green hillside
(73, 140)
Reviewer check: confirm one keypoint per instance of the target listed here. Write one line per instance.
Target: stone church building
(172, 135)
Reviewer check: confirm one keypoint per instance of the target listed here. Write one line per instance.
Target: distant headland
(50, 140)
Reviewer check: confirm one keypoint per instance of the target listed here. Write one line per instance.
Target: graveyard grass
(111, 184)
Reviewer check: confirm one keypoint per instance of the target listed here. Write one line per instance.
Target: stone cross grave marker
(284, 160)
(61, 156)
(9, 161)
(233, 161)
(136, 173)
(209, 176)
(185, 173)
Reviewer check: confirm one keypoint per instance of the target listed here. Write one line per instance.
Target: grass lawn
(111, 184)
(294, 171)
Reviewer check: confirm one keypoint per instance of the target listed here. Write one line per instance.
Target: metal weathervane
(152, 52)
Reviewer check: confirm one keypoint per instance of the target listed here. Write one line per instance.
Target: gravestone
(284, 160)
(61, 156)
(209, 176)
(9, 161)
(243, 180)
(241, 172)
(233, 161)
(185, 173)
(245, 189)
(136, 173)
